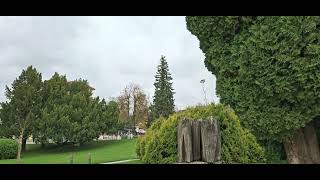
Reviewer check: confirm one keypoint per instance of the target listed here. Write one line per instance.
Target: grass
(101, 152)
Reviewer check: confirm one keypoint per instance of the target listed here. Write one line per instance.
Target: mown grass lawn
(101, 152)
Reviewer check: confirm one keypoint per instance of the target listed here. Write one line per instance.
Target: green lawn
(101, 152)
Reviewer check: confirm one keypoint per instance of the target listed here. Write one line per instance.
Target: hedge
(159, 144)
(8, 148)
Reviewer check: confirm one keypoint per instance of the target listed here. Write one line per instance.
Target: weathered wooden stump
(211, 141)
(199, 141)
(196, 140)
(185, 141)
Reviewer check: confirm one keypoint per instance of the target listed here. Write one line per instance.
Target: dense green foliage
(8, 148)
(70, 113)
(163, 102)
(274, 151)
(57, 109)
(267, 68)
(159, 145)
(111, 115)
(21, 111)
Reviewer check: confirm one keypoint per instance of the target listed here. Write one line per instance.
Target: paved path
(117, 162)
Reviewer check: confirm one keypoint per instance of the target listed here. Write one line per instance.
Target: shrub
(159, 145)
(274, 151)
(8, 148)
(141, 142)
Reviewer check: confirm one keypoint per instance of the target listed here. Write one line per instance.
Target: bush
(159, 145)
(274, 151)
(8, 148)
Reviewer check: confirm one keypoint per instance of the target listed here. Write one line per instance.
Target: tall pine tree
(163, 102)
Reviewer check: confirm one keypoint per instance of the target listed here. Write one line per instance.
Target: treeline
(55, 110)
(66, 112)
(134, 105)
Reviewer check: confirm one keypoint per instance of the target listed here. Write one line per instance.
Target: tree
(70, 114)
(140, 107)
(22, 110)
(55, 123)
(124, 101)
(133, 105)
(111, 117)
(163, 102)
(267, 69)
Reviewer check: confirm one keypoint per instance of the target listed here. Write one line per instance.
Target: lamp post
(204, 92)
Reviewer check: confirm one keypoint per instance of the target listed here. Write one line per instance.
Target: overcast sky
(110, 52)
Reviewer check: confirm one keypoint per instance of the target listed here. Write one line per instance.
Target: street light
(204, 92)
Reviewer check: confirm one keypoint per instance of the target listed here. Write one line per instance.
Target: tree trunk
(24, 143)
(20, 146)
(134, 114)
(312, 142)
(303, 147)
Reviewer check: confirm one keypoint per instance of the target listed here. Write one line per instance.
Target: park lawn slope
(101, 152)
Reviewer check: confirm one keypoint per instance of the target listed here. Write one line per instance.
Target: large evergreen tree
(163, 102)
(54, 124)
(22, 110)
(268, 70)
(71, 115)
(111, 117)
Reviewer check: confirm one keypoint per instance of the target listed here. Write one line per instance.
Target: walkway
(118, 162)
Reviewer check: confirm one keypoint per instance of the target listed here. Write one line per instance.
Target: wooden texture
(211, 141)
(196, 140)
(199, 141)
(185, 141)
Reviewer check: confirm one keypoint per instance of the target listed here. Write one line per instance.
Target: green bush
(141, 143)
(8, 148)
(159, 145)
(274, 151)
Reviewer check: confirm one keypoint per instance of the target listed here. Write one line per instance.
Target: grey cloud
(108, 51)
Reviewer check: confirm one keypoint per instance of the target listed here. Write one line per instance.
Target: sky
(110, 52)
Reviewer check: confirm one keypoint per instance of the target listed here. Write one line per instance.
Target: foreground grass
(101, 152)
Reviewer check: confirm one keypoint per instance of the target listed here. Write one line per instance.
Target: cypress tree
(267, 70)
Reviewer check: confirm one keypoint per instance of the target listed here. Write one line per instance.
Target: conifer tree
(22, 109)
(267, 70)
(163, 102)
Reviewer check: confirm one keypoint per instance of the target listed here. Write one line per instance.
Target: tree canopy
(22, 110)
(133, 106)
(267, 68)
(55, 110)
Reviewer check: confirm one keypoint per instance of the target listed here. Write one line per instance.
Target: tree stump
(199, 141)
(211, 141)
(185, 141)
(196, 140)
